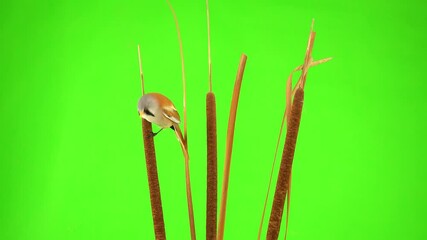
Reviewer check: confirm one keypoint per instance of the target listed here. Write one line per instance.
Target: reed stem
(209, 46)
(141, 74)
(184, 86)
(189, 195)
(183, 138)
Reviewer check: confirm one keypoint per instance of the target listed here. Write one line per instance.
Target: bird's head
(150, 104)
(142, 104)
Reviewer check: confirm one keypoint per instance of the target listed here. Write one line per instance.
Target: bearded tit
(158, 109)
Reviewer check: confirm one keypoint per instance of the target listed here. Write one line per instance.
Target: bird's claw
(151, 135)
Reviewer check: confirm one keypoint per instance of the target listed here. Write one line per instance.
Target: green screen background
(71, 152)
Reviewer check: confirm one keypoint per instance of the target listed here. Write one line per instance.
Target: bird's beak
(140, 114)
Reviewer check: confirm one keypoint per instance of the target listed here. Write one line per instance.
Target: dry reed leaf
(229, 145)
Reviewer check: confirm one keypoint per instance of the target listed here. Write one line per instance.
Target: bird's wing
(172, 115)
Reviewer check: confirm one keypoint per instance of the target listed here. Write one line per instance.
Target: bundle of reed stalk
(293, 115)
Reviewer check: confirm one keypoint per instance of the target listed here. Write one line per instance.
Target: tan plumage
(158, 109)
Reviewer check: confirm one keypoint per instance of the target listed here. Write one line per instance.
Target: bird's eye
(146, 111)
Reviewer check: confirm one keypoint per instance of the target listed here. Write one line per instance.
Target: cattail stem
(153, 181)
(229, 145)
(283, 181)
(150, 160)
(289, 94)
(271, 177)
(212, 182)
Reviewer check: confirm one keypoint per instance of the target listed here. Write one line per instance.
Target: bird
(158, 109)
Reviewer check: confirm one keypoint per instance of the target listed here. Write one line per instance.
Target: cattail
(285, 118)
(282, 186)
(211, 195)
(153, 180)
(293, 115)
(212, 169)
(150, 160)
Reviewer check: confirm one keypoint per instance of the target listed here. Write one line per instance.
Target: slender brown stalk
(283, 180)
(183, 138)
(229, 145)
(141, 74)
(153, 179)
(187, 181)
(189, 196)
(212, 181)
(209, 45)
(181, 51)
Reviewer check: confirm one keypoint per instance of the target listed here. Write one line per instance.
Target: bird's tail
(181, 139)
